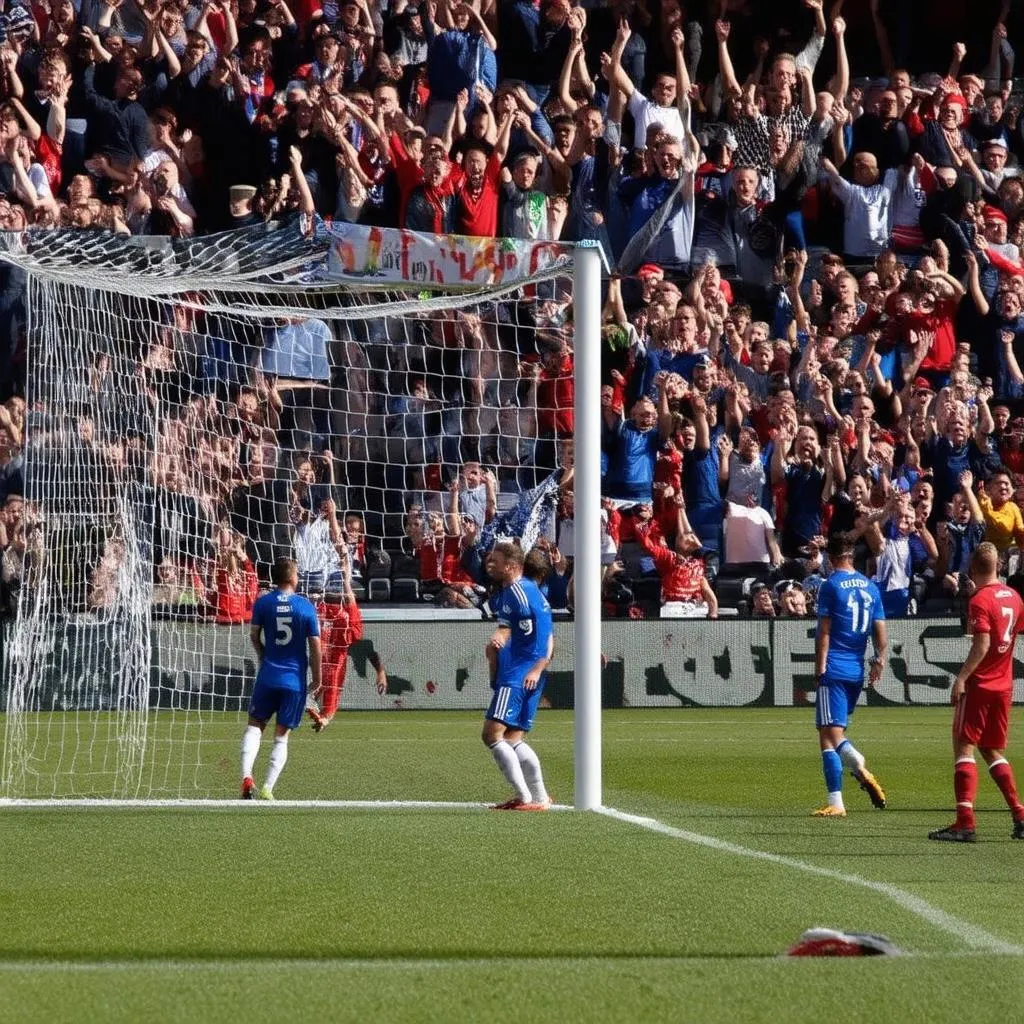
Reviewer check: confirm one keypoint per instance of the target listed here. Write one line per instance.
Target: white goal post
(196, 407)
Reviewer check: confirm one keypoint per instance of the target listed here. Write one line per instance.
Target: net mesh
(197, 409)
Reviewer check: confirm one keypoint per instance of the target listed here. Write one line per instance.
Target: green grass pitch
(265, 913)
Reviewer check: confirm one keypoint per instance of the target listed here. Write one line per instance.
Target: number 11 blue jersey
(853, 604)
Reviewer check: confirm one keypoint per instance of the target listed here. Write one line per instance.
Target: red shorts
(983, 718)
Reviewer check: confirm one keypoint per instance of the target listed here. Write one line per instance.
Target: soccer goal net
(197, 409)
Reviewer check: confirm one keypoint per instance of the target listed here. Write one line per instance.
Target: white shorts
(684, 610)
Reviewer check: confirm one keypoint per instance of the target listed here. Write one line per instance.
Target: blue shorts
(515, 706)
(267, 701)
(836, 701)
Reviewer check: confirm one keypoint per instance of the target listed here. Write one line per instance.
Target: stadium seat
(647, 590)
(405, 590)
(405, 579)
(730, 592)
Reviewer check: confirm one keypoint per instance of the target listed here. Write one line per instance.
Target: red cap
(994, 213)
(650, 270)
(923, 384)
(954, 99)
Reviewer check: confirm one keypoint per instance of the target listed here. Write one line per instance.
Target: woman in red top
(556, 391)
(440, 555)
(235, 583)
(685, 591)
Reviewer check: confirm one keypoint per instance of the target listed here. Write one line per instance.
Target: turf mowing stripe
(970, 935)
(103, 804)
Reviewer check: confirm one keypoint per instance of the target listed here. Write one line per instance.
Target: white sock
(530, 763)
(510, 768)
(836, 800)
(250, 748)
(853, 759)
(278, 757)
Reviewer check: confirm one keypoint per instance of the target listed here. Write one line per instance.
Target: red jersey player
(341, 625)
(982, 695)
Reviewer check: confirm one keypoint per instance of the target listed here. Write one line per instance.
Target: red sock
(965, 785)
(331, 691)
(1002, 776)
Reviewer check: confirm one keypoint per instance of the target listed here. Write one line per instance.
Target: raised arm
(700, 423)
(614, 308)
(730, 84)
(840, 115)
(882, 37)
(986, 424)
(475, 16)
(454, 517)
(306, 204)
(959, 52)
(565, 76)
(683, 83)
(841, 81)
(974, 284)
(582, 72)
(458, 114)
(14, 84)
(967, 490)
(808, 101)
(783, 442)
(664, 412)
(1009, 357)
(617, 77)
(168, 54)
(32, 128)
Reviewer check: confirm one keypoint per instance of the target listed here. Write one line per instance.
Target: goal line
(105, 804)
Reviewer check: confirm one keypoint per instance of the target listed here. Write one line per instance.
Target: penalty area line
(970, 935)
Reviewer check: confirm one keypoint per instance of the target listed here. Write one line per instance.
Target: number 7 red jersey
(995, 609)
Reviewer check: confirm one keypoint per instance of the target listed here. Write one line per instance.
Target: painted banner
(359, 253)
(441, 665)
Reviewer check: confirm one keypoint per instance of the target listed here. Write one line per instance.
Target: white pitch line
(970, 935)
(234, 805)
(384, 963)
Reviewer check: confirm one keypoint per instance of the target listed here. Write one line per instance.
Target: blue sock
(832, 767)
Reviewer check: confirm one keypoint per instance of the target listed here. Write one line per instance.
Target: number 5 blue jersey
(853, 604)
(287, 621)
(525, 611)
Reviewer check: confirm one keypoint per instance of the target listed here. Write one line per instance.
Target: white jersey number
(1011, 621)
(859, 603)
(283, 636)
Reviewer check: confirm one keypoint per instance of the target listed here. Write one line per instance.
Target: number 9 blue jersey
(853, 604)
(287, 621)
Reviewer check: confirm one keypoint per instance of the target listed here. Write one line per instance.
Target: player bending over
(284, 632)
(519, 652)
(982, 694)
(849, 608)
(341, 625)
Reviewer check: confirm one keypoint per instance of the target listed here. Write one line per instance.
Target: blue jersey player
(849, 611)
(286, 635)
(518, 653)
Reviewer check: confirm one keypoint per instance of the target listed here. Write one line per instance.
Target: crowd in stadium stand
(814, 321)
